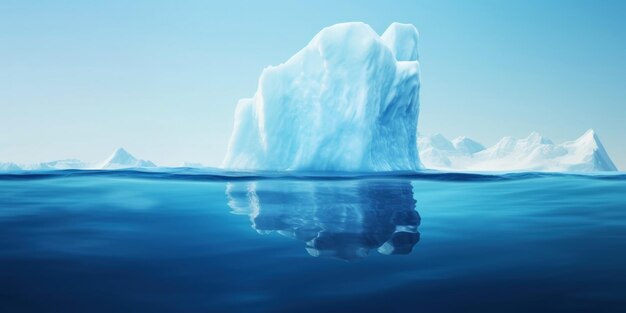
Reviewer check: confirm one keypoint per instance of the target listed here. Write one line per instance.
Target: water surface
(197, 241)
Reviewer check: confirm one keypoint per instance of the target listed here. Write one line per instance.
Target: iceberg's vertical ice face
(348, 101)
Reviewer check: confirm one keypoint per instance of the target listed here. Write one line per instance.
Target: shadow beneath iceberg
(342, 219)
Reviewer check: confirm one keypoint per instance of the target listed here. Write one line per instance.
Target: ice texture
(9, 167)
(118, 160)
(348, 101)
(533, 153)
(467, 145)
(64, 164)
(123, 159)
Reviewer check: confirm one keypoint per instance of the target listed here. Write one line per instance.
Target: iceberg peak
(343, 103)
(536, 138)
(402, 40)
(121, 153)
(589, 136)
(123, 159)
(533, 153)
(592, 150)
(439, 141)
(467, 145)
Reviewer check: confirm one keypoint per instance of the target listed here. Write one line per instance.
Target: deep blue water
(196, 241)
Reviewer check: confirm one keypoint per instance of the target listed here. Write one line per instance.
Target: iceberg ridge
(533, 153)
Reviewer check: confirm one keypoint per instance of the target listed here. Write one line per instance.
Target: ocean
(185, 240)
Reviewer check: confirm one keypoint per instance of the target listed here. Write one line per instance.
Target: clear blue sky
(162, 78)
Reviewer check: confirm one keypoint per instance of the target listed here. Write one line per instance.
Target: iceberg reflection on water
(342, 219)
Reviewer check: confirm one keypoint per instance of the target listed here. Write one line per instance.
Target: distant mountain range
(7, 167)
(119, 159)
(533, 153)
(56, 165)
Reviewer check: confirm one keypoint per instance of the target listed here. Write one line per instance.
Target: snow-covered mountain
(533, 153)
(122, 159)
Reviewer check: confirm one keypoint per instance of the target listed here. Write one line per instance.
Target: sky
(162, 78)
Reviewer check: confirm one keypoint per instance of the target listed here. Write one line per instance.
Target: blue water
(197, 241)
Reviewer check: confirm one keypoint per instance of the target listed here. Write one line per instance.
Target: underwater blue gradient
(196, 241)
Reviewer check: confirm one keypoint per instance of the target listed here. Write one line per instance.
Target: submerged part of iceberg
(122, 159)
(533, 153)
(348, 101)
(346, 222)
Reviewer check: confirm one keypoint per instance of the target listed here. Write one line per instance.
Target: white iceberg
(467, 145)
(533, 153)
(192, 164)
(118, 160)
(57, 165)
(122, 159)
(348, 101)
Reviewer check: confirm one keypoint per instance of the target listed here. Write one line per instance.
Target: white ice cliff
(348, 101)
(533, 153)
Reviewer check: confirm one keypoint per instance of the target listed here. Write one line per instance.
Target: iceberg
(9, 167)
(467, 145)
(192, 164)
(348, 101)
(533, 153)
(118, 160)
(122, 159)
(57, 165)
